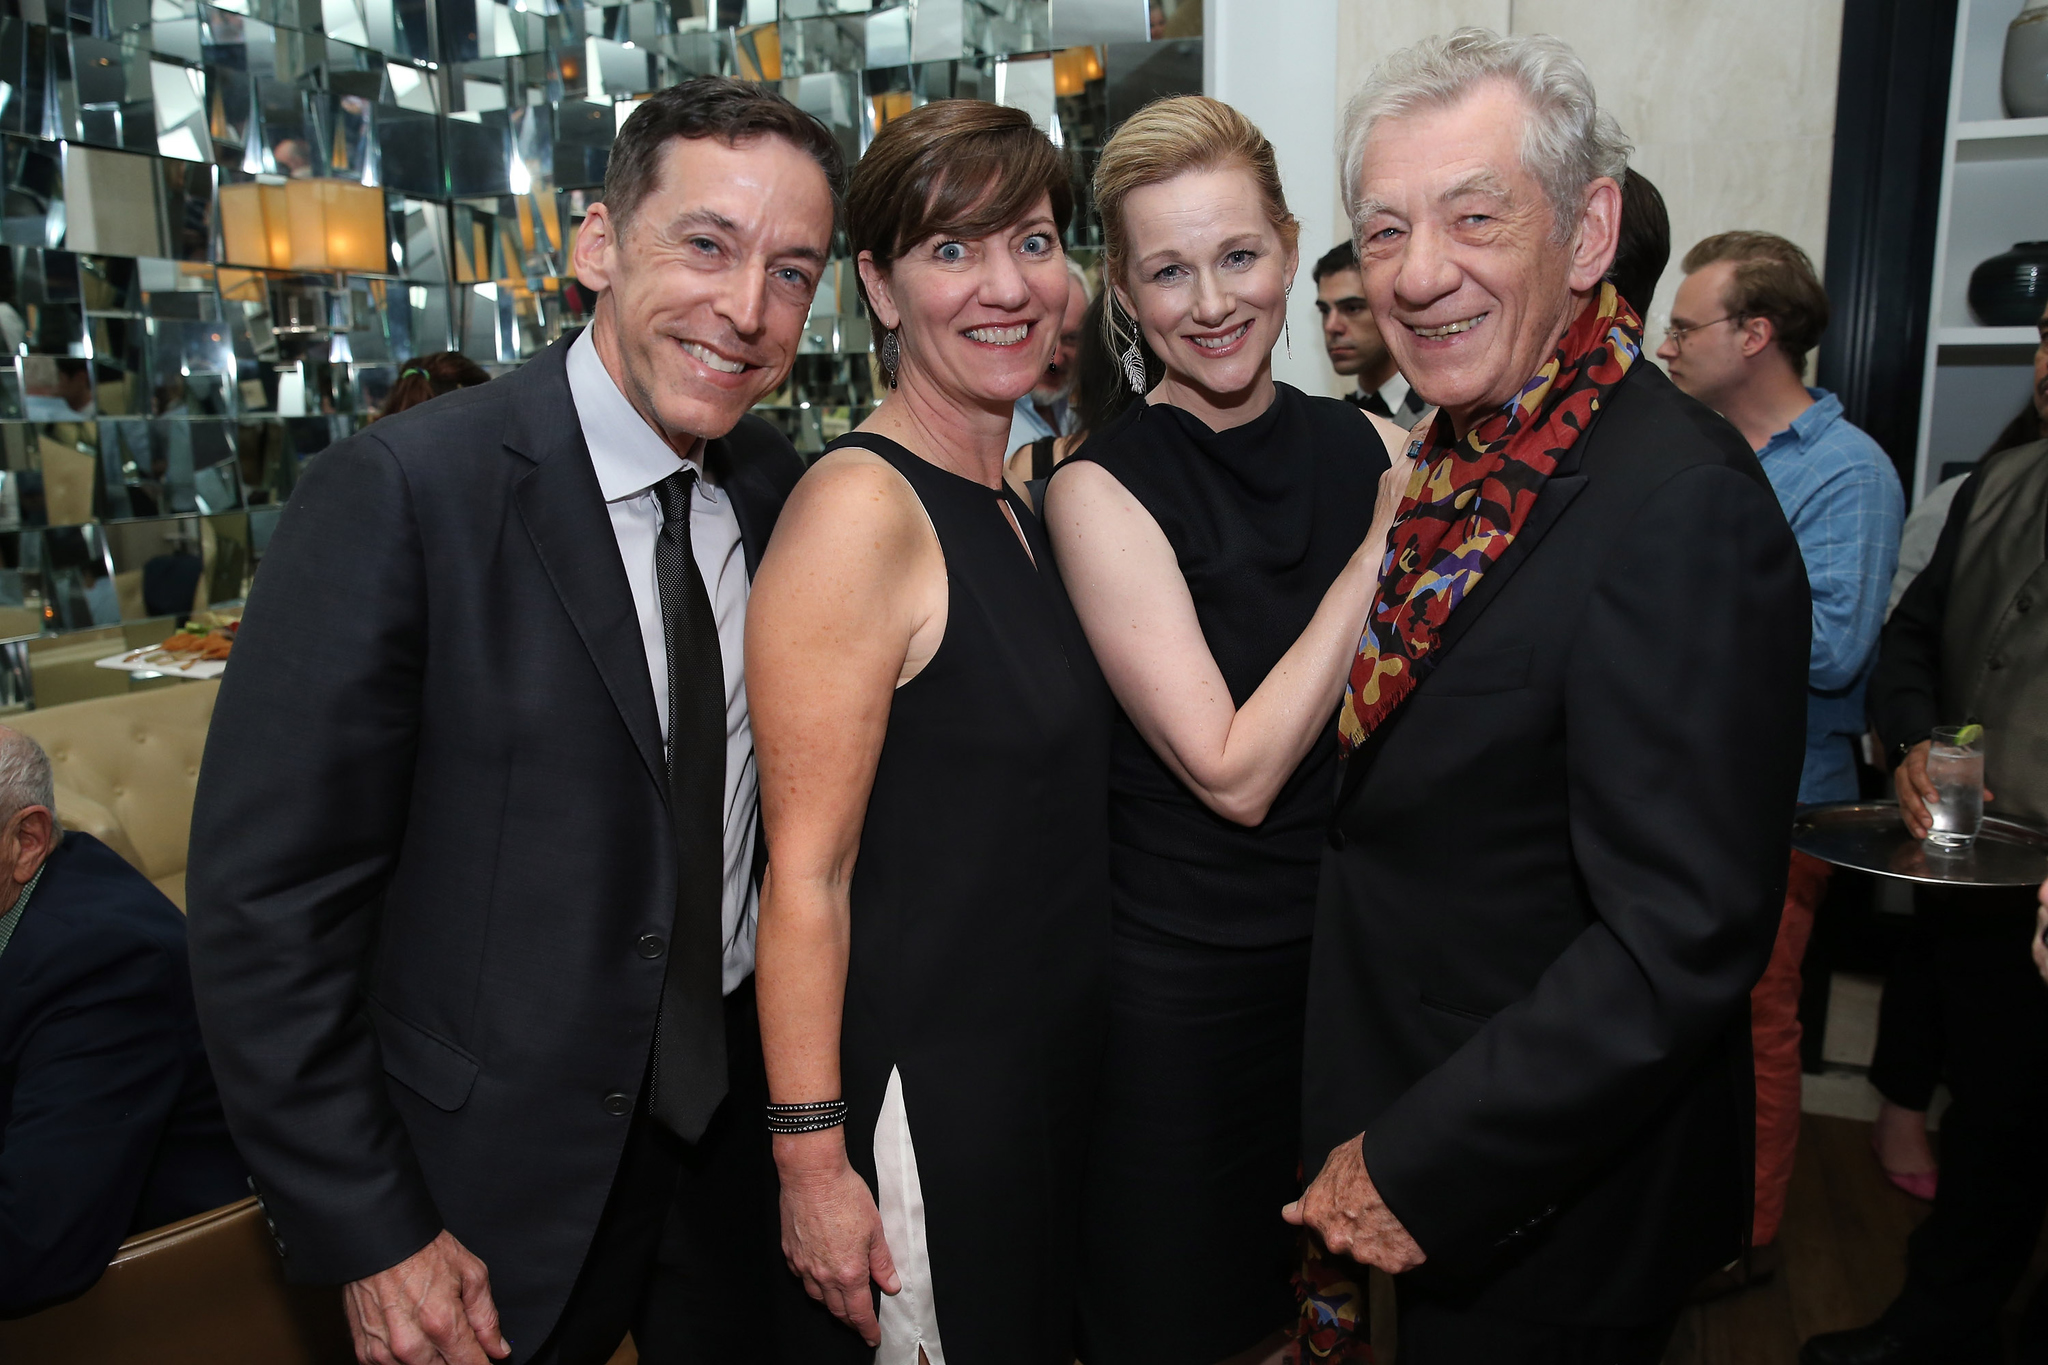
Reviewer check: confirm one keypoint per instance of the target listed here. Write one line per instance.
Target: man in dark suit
(109, 1124)
(1575, 730)
(474, 857)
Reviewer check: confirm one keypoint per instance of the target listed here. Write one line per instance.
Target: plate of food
(199, 649)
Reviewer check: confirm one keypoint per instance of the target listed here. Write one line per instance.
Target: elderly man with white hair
(1573, 735)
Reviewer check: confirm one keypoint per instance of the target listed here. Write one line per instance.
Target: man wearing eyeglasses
(1746, 316)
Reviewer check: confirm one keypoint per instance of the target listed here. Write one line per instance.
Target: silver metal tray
(1871, 836)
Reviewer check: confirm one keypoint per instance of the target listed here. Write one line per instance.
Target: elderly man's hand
(1345, 1209)
(433, 1306)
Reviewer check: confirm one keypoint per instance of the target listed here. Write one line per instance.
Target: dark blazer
(431, 831)
(1557, 872)
(109, 1124)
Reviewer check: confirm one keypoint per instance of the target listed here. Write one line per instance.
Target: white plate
(131, 661)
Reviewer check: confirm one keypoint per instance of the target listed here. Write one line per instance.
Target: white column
(1276, 62)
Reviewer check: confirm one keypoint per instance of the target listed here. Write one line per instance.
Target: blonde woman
(1221, 541)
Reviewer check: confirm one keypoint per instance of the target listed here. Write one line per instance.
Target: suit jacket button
(651, 945)
(1998, 663)
(2025, 603)
(618, 1104)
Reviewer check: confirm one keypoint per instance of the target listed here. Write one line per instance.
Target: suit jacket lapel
(563, 511)
(1557, 494)
(741, 482)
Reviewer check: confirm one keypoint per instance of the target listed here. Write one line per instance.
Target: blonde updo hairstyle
(1167, 138)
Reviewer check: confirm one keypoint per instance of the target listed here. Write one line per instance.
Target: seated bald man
(109, 1122)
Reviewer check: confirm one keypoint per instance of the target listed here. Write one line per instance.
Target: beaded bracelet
(806, 1118)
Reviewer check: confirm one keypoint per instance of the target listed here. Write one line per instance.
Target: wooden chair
(207, 1291)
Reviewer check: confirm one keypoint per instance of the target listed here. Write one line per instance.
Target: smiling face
(1461, 262)
(1207, 281)
(702, 294)
(977, 319)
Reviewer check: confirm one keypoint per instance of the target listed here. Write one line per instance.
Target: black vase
(2011, 288)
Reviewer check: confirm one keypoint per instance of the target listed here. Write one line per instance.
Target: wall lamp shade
(305, 225)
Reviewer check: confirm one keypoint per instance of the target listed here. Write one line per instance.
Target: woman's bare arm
(1135, 607)
(849, 598)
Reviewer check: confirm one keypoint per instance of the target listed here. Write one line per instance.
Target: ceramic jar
(2026, 62)
(2011, 288)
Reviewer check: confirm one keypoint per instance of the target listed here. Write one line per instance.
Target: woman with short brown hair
(933, 739)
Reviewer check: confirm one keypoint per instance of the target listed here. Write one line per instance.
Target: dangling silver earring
(1132, 359)
(1286, 324)
(892, 356)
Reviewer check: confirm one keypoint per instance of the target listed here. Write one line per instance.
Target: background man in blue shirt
(1748, 313)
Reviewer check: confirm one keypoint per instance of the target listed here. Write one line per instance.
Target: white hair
(25, 776)
(1568, 141)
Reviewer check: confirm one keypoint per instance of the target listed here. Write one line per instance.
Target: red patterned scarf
(1468, 501)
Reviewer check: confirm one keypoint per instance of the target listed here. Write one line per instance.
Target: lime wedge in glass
(1969, 734)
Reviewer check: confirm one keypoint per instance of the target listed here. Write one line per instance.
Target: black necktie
(688, 1072)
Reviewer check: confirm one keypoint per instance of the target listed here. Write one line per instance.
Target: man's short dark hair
(1342, 256)
(1773, 279)
(1645, 247)
(712, 106)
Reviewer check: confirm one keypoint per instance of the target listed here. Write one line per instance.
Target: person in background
(1907, 1064)
(1100, 392)
(1748, 313)
(935, 918)
(1357, 350)
(473, 860)
(1221, 539)
(57, 390)
(1046, 411)
(1645, 246)
(102, 597)
(109, 1122)
(1573, 726)
(1968, 644)
(430, 376)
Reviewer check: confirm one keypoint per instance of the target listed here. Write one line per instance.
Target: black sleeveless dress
(980, 936)
(1185, 1257)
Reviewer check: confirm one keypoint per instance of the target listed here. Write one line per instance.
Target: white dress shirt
(630, 459)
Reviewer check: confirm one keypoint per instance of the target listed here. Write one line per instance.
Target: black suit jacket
(1557, 872)
(109, 1124)
(431, 829)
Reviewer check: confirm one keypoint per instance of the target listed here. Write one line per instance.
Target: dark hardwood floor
(1844, 1243)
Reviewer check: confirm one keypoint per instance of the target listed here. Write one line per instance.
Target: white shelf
(1994, 182)
(2028, 337)
(2002, 139)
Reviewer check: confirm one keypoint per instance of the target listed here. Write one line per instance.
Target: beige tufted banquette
(126, 769)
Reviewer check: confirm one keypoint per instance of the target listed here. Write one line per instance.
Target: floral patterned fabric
(1336, 1325)
(1469, 499)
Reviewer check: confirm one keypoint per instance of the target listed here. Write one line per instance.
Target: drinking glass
(1955, 765)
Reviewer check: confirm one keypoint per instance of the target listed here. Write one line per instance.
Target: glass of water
(1955, 765)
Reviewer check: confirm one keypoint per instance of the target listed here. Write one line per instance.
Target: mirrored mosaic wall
(225, 227)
